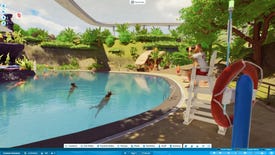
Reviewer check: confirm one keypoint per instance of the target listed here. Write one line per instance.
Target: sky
(50, 16)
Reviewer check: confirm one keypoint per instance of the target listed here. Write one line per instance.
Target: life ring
(228, 74)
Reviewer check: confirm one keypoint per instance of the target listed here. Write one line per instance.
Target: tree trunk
(260, 30)
(257, 55)
(256, 45)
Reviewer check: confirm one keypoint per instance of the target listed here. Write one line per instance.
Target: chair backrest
(212, 64)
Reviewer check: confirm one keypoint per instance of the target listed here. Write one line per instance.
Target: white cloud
(28, 21)
(169, 9)
(172, 4)
(53, 17)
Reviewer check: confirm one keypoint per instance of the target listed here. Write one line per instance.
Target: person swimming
(19, 83)
(103, 102)
(73, 86)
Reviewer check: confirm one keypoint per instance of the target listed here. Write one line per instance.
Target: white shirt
(200, 56)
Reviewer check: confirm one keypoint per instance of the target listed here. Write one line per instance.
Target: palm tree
(155, 56)
(166, 60)
(67, 35)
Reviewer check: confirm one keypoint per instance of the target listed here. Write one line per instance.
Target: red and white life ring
(228, 74)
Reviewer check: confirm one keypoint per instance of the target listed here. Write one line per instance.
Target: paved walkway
(172, 130)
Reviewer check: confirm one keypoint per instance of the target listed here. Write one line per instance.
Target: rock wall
(60, 56)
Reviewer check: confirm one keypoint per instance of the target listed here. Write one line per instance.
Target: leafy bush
(110, 41)
(81, 47)
(166, 60)
(88, 37)
(151, 38)
(95, 66)
(104, 34)
(131, 67)
(133, 52)
(67, 35)
(32, 40)
(156, 31)
(163, 44)
(25, 63)
(125, 37)
(74, 62)
(14, 37)
(57, 44)
(180, 58)
(66, 67)
(116, 51)
(72, 65)
(7, 59)
(42, 67)
(38, 34)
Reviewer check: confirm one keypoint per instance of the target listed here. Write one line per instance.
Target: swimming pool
(41, 109)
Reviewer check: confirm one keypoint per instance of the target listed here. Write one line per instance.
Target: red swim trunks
(199, 72)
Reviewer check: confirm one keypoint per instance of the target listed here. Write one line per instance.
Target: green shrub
(14, 37)
(131, 67)
(42, 67)
(81, 47)
(32, 40)
(116, 51)
(110, 41)
(7, 59)
(151, 38)
(57, 44)
(125, 37)
(25, 63)
(180, 58)
(133, 52)
(95, 66)
(67, 35)
(163, 45)
(74, 63)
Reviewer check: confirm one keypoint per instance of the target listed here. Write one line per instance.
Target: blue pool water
(41, 109)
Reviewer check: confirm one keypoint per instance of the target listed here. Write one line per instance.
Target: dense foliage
(205, 21)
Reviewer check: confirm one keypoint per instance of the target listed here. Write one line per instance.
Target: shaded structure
(145, 63)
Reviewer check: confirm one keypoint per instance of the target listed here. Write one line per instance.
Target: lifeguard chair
(198, 108)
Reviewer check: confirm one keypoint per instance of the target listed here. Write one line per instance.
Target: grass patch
(262, 92)
(119, 61)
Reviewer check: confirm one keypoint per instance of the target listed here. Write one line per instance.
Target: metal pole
(229, 35)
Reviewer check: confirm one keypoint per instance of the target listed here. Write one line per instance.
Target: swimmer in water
(19, 83)
(73, 86)
(103, 102)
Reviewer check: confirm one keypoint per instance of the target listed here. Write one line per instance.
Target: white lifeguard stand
(198, 108)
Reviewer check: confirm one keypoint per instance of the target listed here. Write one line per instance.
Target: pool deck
(171, 129)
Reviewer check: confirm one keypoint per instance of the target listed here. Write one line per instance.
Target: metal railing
(266, 92)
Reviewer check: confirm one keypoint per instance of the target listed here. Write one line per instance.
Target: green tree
(97, 33)
(122, 28)
(67, 35)
(140, 30)
(104, 34)
(175, 33)
(155, 56)
(18, 28)
(156, 31)
(110, 41)
(125, 35)
(38, 33)
(87, 37)
(204, 20)
(133, 52)
(166, 60)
